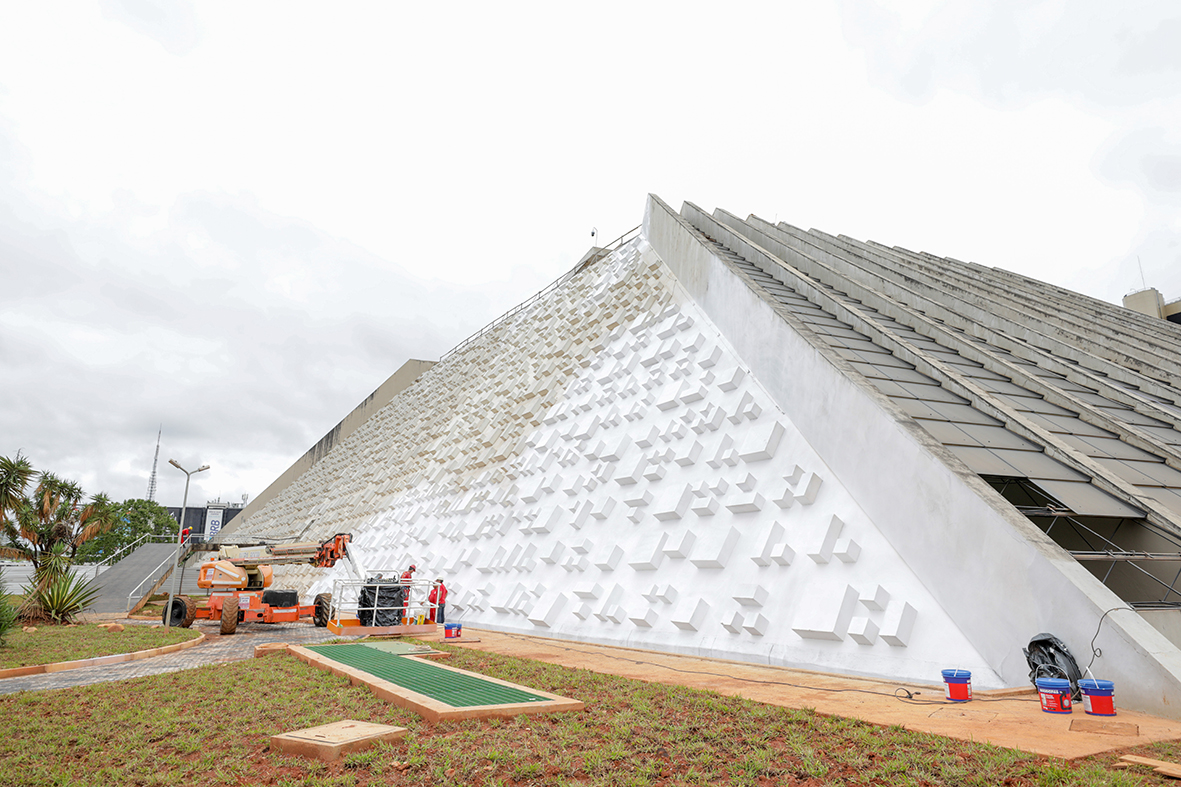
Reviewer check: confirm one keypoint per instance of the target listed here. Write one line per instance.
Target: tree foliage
(133, 520)
(51, 518)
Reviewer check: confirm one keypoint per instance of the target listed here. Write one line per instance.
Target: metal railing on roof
(604, 251)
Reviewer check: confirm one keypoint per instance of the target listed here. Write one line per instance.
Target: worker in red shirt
(405, 580)
(438, 599)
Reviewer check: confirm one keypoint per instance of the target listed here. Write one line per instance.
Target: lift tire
(229, 615)
(184, 612)
(323, 610)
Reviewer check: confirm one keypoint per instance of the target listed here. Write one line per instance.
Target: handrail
(150, 575)
(612, 246)
(132, 545)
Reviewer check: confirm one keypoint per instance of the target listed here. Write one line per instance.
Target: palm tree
(51, 520)
(15, 475)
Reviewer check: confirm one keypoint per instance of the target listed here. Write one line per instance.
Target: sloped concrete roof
(1017, 378)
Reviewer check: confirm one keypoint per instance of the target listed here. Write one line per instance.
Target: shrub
(59, 600)
(7, 613)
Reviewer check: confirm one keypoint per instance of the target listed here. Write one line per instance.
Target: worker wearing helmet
(438, 599)
(407, 577)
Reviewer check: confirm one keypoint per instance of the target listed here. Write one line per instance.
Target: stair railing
(130, 547)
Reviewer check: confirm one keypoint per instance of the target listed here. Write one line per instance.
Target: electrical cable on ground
(908, 699)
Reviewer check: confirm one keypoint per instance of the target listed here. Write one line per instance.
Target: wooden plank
(1170, 769)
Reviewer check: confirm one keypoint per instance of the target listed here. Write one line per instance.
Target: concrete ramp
(122, 578)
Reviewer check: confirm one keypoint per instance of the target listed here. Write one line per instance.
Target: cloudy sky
(235, 220)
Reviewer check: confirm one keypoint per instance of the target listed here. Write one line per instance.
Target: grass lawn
(211, 726)
(68, 643)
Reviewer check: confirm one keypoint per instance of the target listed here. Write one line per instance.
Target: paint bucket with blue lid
(1098, 696)
(1054, 694)
(958, 684)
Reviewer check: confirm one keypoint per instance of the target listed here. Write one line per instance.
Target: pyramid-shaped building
(745, 440)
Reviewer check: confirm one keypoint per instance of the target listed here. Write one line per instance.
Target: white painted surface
(995, 574)
(662, 501)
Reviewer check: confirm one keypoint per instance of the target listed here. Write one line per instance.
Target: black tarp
(386, 596)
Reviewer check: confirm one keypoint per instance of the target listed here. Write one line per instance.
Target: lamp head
(202, 467)
(174, 464)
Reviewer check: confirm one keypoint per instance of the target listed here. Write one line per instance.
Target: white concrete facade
(652, 456)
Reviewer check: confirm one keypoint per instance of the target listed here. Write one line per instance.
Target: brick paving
(215, 649)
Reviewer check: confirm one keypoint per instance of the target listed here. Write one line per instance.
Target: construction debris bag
(1048, 657)
(380, 604)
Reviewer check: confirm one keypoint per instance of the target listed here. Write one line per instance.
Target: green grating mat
(457, 689)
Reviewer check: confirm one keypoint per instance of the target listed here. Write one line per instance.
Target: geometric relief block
(638, 497)
(877, 600)
(546, 612)
(554, 555)
(730, 381)
(610, 603)
(847, 550)
(757, 625)
(690, 615)
(575, 563)
(825, 615)
(714, 547)
(603, 509)
(726, 454)
(863, 631)
(646, 620)
(733, 623)
(608, 557)
(616, 614)
(772, 536)
(588, 591)
(899, 624)
(750, 595)
(782, 554)
(649, 553)
(674, 503)
(805, 486)
(687, 456)
(680, 545)
(761, 444)
(746, 503)
(704, 503)
(831, 534)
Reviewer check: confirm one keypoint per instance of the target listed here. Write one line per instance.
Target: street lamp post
(180, 529)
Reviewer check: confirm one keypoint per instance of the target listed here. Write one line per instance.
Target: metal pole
(179, 530)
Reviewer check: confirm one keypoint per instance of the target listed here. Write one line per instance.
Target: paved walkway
(214, 649)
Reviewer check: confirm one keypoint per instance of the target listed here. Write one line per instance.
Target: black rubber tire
(323, 610)
(184, 612)
(229, 615)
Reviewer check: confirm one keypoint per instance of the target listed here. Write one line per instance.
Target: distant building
(205, 521)
(1149, 301)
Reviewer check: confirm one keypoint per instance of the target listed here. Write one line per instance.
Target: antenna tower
(155, 460)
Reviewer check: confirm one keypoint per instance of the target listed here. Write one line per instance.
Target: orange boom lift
(239, 581)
